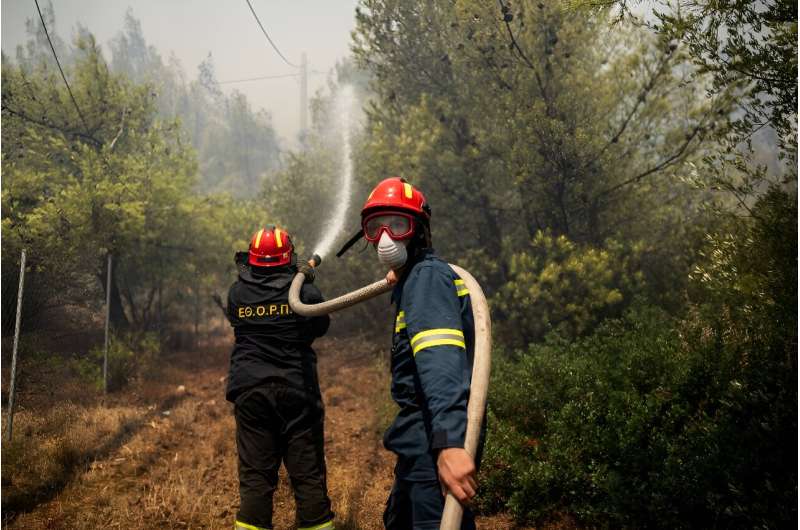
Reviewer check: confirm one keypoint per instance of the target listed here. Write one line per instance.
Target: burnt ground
(175, 464)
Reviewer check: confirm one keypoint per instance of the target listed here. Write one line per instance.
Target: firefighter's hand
(457, 473)
(391, 277)
(308, 270)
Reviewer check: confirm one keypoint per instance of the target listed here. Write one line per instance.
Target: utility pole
(303, 97)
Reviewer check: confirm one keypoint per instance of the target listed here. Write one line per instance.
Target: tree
(237, 147)
(751, 45)
(516, 121)
(109, 182)
(749, 49)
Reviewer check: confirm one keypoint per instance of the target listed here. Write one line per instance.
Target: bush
(558, 285)
(588, 420)
(628, 428)
(128, 356)
(655, 421)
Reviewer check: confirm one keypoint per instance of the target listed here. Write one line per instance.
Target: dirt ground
(176, 466)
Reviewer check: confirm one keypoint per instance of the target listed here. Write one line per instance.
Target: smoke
(343, 118)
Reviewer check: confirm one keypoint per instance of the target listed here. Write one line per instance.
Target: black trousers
(277, 423)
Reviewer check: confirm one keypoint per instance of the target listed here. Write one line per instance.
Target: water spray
(343, 111)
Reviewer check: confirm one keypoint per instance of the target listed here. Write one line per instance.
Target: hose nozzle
(315, 260)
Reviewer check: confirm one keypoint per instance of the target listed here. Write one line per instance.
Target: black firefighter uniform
(278, 407)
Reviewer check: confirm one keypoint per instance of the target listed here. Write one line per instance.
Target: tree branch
(658, 167)
(52, 126)
(640, 99)
(121, 128)
(514, 43)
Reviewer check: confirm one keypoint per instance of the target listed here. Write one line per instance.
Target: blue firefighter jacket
(432, 354)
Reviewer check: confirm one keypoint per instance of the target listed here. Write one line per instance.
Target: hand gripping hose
(451, 517)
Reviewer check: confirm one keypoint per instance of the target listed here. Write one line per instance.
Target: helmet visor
(398, 225)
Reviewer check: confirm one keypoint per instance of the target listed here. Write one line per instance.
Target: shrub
(128, 356)
(664, 422)
(558, 285)
(587, 418)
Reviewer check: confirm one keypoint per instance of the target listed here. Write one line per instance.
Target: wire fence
(64, 342)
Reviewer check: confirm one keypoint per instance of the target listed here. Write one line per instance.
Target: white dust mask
(390, 252)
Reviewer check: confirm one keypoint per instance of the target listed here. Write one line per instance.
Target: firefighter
(273, 384)
(431, 361)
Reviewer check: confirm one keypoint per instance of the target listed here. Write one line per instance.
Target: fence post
(196, 338)
(108, 319)
(16, 344)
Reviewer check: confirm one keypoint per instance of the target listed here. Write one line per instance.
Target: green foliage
(588, 417)
(119, 187)
(123, 185)
(588, 132)
(557, 285)
(745, 45)
(89, 370)
(657, 422)
(128, 357)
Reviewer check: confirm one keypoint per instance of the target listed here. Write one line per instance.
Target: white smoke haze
(343, 121)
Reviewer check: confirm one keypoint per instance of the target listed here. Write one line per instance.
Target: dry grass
(178, 470)
(47, 451)
(173, 472)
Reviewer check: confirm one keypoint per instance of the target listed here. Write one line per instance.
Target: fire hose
(453, 511)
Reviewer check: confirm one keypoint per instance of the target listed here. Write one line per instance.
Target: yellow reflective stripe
(399, 326)
(408, 190)
(258, 237)
(458, 282)
(324, 526)
(245, 526)
(278, 237)
(439, 342)
(439, 331)
(462, 292)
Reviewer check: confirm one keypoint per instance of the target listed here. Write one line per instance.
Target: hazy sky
(227, 29)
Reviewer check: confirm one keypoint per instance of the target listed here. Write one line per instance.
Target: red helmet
(270, 247)
(396, 194)
(392, 194)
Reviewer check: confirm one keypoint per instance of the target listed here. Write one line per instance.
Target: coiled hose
(451, 517)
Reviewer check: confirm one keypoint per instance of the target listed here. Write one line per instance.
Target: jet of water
(343, 114)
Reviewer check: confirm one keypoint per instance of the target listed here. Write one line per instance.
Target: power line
(59, 66)
(267, 36)
(257, 78)
(262, 78)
